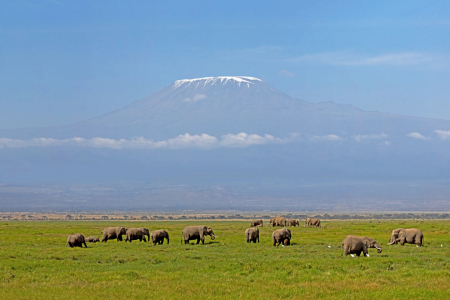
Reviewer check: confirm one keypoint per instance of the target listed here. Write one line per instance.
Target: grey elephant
(282, 235)
(307, 222)
(292, 222)
(372, 243)
(136, 234)
(110, 233)
(197, 233)
(280, 221)
(252, 234)
(146, 232)
(409, 236)
(158, 236)
(272, 222)
(92, 239)
(355, 245)
(255, 223)
(76, 240)
(314, 222)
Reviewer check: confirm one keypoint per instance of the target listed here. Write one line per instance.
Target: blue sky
(64, 61)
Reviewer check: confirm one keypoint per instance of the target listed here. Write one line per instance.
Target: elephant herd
(355, 245)
(110, 233)
(156, 236)
(282, 221)
(351, 244)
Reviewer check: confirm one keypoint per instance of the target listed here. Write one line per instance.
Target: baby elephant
(252, 234)
(92, 239)
(356, 244)
(76, 240)
(282, 235)
(158, 236)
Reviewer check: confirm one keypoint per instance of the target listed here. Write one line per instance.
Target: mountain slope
(224, 105)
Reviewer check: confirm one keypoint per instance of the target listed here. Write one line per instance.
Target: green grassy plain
(36, 264)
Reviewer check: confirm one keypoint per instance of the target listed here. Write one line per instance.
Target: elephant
(146, 232)
(272, 222)
(307, 222)
(158, 236)
(76, 240)
(354, 245)
(252, 234)
(280, 221)
(372, 243)
(255, 223)
(281, 235)
(314, 222)
(113, 233)
(92, 239)
(136, 234)
(410, 236)
(292, 222)
(197, 233)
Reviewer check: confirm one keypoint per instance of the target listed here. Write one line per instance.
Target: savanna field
(36, 263)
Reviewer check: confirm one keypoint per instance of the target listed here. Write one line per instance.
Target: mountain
(240, 139)
(230, 105)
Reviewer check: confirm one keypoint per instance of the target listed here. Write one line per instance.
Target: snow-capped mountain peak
(217, 80)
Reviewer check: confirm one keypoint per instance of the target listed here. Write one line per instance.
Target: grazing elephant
(314, 222)
(307, 222)
(136, 234)
(272, 222)
(76, 240)
(252, 234)
(197, 233)
(110, 233)
(255, 223)
(92, 239)
(372, 243)
(280, 221)
(280, 236)
(354, 245)
(158, 236)
(146, 232)
(292, 222)
(410, 236)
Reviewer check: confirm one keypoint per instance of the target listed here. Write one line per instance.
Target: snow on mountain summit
(216, 81)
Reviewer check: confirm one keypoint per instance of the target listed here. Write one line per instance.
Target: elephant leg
(203, 241)
(70, 244)
(358, 253)
(84, 245)
(198, 241)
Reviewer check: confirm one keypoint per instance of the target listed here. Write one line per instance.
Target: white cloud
(416, 135)
(364, 137)
(445, 135)
(196, 98)
(329, 137)
(355, 59)
(243, 140)
(203, 141)
(387, 143)
(286, 73)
